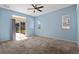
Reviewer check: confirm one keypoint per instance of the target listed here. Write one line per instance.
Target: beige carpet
(38, 45)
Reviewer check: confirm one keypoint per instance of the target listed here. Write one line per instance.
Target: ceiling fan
(36, 7)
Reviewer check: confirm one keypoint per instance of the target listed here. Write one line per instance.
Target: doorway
(19, 31)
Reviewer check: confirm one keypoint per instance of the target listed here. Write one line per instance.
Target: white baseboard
(58, 38)
(65, 40)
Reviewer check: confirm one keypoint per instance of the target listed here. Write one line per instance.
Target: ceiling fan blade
(33, 5)
(39, 10)
(30, 8)
(41, 7)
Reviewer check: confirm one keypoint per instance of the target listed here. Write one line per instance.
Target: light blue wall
(51, 24)
(5, 18)
(30, 25)
(78, 24)
(0, 17)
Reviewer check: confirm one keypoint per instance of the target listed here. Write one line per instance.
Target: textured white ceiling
(23, 8)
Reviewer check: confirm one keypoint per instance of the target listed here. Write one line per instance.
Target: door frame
(13, 28)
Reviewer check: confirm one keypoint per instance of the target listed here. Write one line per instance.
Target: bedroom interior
(39, 28)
